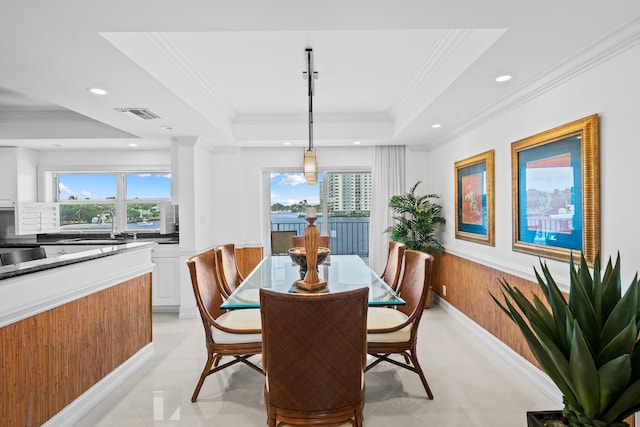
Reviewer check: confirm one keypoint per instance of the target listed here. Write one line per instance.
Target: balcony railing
(348, 235)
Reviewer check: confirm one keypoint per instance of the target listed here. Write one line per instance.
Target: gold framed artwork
(474, 181)
(556, 191)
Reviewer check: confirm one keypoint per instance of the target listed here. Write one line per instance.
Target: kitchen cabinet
(19, 190)
(18, 174)
(166, 278)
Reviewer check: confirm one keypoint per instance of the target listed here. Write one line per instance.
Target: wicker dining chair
(323, 242)
(314, 355)
(225, 289)
(235, 333)
(228, 267)
(393, 268)
(395, 331)
(281, 241)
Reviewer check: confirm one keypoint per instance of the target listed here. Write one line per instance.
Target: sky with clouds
(291, 188)
(102, 186)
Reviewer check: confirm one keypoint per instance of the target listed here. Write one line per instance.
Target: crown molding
(172, 50)
(600, 51)
(442, 49)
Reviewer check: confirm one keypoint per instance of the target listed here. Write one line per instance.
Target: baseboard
(73, 412)
(535, 376)
(165, 309)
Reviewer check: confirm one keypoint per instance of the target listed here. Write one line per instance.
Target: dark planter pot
(545, 419)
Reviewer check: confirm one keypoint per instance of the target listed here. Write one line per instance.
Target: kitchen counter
(86, 312)
(87, 252)
(93, 239)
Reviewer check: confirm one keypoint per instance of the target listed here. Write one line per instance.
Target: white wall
(117, 159)
(611, 90)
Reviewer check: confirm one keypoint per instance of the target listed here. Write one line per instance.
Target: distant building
(349, 193)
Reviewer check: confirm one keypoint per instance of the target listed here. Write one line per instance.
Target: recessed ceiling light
(436, 125)
(286, 143)
(357, 142)
(97, 91)
(133, 145)
(166, 127)
(504, 78)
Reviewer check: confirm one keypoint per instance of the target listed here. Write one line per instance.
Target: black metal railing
(347, 237)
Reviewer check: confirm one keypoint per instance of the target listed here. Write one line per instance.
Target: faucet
(114, 227)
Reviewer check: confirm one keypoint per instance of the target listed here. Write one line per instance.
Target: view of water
(349, 235)
(144, 225)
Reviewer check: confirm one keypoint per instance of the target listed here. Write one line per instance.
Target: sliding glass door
(348, 208)
(343, 202)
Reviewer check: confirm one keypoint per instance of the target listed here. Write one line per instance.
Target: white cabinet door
(166, 278)
(8, 176)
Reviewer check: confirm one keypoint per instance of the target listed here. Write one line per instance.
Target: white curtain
(387, 180)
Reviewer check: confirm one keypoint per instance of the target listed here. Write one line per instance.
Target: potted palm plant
(417, 219)
(587, 345)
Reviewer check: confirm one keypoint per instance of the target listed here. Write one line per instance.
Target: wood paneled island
(72, 328)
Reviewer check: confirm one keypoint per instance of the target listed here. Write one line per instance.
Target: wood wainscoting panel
(248, 258)
(468, 285)
(50, 359)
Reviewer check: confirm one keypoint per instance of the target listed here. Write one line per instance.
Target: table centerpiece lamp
(311, 281)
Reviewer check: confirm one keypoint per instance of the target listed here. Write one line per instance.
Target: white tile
(472, 386)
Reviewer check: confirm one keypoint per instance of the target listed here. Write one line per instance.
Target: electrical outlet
(444, 290)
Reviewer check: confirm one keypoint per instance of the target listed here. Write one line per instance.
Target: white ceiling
(230, 73)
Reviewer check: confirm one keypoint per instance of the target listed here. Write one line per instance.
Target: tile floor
(472, 386)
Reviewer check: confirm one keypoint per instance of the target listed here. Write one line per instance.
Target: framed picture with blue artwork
(474, 198)
(556, 192)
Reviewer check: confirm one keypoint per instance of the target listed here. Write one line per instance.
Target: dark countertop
(14, 270)
(93, 239)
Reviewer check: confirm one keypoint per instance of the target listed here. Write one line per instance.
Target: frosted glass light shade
(309, 167)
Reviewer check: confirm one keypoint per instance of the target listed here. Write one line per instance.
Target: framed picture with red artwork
(474, 182)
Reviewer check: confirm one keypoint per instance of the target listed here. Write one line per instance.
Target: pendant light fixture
(309, 165)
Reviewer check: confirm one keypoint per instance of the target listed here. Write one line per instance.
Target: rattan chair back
(314, 355)
(393, 268)
(229, 272)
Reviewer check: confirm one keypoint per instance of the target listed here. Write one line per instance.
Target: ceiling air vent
(142, 113)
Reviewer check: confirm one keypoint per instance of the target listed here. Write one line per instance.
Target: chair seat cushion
(384, 317)
(238, 319)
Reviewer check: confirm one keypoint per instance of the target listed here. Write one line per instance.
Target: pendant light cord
(310, 88)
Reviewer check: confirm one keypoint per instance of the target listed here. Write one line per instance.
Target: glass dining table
(341, 272)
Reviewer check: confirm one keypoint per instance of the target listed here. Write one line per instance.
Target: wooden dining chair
(393, 268)
(395, 331)
(323, 242)
(314, 355)
(281, 241)
(225, 289)
(228, 267)
(235, 333)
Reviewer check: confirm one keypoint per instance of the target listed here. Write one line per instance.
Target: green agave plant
(417, 220)
(589, 345)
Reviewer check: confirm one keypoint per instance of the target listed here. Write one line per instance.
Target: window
(348, 211)
(343, 213)
(112, 201)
